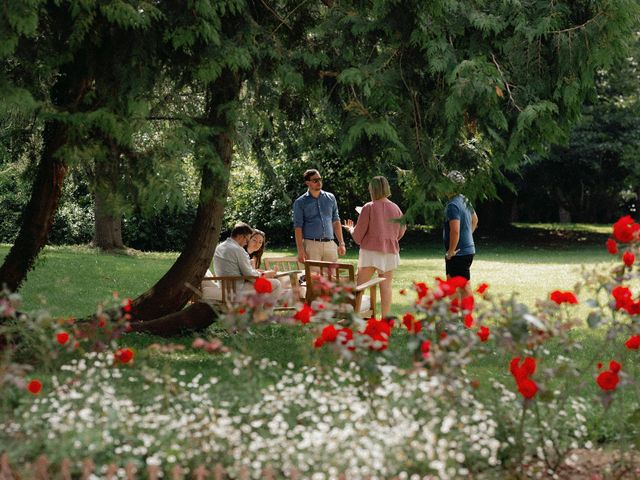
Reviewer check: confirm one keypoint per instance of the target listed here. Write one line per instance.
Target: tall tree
(76, 46)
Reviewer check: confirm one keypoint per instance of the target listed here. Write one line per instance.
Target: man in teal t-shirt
(459, 224)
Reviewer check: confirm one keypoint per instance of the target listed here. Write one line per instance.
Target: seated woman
(255, 248)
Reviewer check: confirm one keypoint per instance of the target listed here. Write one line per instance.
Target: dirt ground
(599, 465)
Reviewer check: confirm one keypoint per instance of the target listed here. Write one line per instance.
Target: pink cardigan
(376, 229)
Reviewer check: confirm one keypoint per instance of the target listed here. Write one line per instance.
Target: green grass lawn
(71, 280)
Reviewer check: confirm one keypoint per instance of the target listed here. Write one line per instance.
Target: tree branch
(506, 84)
(577, 27)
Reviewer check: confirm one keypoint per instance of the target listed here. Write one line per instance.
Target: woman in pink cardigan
(377, 232)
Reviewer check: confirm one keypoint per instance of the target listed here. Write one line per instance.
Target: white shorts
(383, 262)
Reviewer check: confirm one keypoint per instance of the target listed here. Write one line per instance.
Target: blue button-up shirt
(315, 215)
(459, 208)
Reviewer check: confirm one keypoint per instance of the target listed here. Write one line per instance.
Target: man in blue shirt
(316, 222)
(459, 224)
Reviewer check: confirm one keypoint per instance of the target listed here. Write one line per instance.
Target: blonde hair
(379, 188)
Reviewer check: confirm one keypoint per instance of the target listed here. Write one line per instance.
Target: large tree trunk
(40, 211)
(196, 317)
(174, 289)
(37, 218)
(107, 217)
(108, 225)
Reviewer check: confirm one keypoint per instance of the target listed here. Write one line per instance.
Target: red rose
(563, 297)
(527, 387)
(262, 285)
(623, 298)
(525, 370)
(467, 303)
(127, 305)
(425, 347)
(612, 246)
(411, 324)
(379, 331)
(422, 290)
(625, 229)
(457, 282)
(329, 333)
(628, 258)
(482, 288)
(34, 387)
(455, 305)
(608, 380)
(633, 343)
(483, 333)
(614, 366)
(556, 296)
(304, 314)
(62, 338)
(123, 355)
(599, 365)
(443, 335)
(468, 320)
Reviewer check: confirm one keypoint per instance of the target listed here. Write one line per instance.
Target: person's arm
(337, 231)
(474, 222)
(403, 226)
(245, 264)
(362, 225)
(337, 228)
(454, 237)
(298, 222)
(300, 244)
(403, 230)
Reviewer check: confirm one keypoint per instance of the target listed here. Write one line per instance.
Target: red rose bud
(411, 324)
(304, 314)
(34, 387)
(628, 258)
(612, 246)
(123, 355)
(468, 320)
(483, 333)
(425, 348)
(614, 366)
(62, 338)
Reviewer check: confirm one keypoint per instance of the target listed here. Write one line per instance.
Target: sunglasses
(315, 180)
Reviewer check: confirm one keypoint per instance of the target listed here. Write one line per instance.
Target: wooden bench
(290, 267)
(342, 273)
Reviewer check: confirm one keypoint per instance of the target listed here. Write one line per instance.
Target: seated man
(232, 260)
